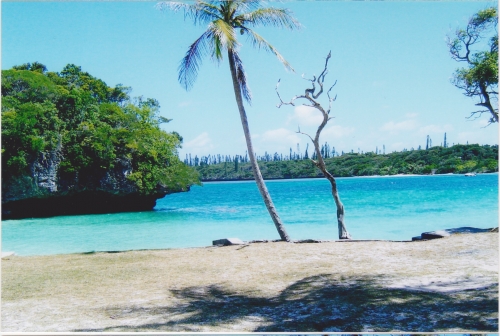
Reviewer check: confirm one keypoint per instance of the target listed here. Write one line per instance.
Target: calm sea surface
(396, 208)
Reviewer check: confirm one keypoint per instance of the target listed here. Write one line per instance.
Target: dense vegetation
(89, 124)
(438, 160)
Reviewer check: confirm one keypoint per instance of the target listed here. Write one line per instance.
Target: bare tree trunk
(311, 96)
(255, 167)
(487, 103)
(320, 163)
(343, 233)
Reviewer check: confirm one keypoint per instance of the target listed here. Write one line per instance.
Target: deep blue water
(395, 208)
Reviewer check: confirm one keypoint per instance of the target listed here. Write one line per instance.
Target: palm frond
(188, 69)
(246, 5)
(172, 5)
(225, 34)
(241, 77)
(206, 12)
(216, 49)
(276, 17)
(260, 42)
(200, 12)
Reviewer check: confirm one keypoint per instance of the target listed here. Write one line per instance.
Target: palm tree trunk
(255, 167)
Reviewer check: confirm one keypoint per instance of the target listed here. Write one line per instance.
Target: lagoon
(392, 208)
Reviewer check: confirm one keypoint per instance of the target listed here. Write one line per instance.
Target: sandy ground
(448, 284)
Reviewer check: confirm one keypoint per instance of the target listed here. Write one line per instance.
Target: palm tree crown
(224, 18)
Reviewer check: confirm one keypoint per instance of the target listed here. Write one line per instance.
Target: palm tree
(224, 18)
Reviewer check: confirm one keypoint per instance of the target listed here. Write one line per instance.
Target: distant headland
(456, 159)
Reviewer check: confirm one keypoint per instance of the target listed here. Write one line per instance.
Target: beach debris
(310, 241)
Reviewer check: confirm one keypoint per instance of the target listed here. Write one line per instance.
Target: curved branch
(281, 100)
(321, 77)
(299, 132)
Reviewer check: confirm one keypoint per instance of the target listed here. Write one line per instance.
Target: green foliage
(35, 66)
(457, 159)
(92, 125)
(26, 130)
(479, 79)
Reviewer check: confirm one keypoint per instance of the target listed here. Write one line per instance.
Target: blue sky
(390, 61)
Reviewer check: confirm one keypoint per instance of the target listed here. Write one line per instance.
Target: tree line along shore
(457, 159)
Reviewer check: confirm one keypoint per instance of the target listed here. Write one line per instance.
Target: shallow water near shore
(392, 208)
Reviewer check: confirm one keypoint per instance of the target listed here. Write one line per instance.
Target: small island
(73, 145)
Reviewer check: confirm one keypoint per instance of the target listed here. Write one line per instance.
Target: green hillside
(457, 159)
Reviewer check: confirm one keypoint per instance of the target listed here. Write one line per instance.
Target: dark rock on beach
(448, 232)
(227, 242)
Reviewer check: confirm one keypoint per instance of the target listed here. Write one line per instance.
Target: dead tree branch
(311, 97)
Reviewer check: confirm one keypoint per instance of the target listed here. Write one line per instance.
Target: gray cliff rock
(44, 171)
(48, 193)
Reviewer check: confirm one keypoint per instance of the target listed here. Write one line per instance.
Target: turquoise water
(395, 208)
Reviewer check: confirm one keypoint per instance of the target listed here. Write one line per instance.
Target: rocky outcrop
(448, 232)
(47, 192)
(227, 242)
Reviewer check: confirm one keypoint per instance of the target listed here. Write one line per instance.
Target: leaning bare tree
(312, 97)
(479, 79)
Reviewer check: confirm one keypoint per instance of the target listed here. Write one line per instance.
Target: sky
(390, 61)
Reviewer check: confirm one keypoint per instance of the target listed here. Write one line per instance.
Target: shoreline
(6, 254)
(437, 234)
(339, 177)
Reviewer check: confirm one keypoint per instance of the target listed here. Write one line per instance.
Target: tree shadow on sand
(319, 303)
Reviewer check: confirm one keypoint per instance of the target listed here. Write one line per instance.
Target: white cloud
(306, 116)
(253, 136)
(435, 129)
(483, 122)
(336, 132)
(278, 140)
(471, 137)
(281, 136)
(478, 132)
(201, 144)
(405, 125)
(464, 137)
(396, 146)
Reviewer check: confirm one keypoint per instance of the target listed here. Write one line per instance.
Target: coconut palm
(225, 18)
